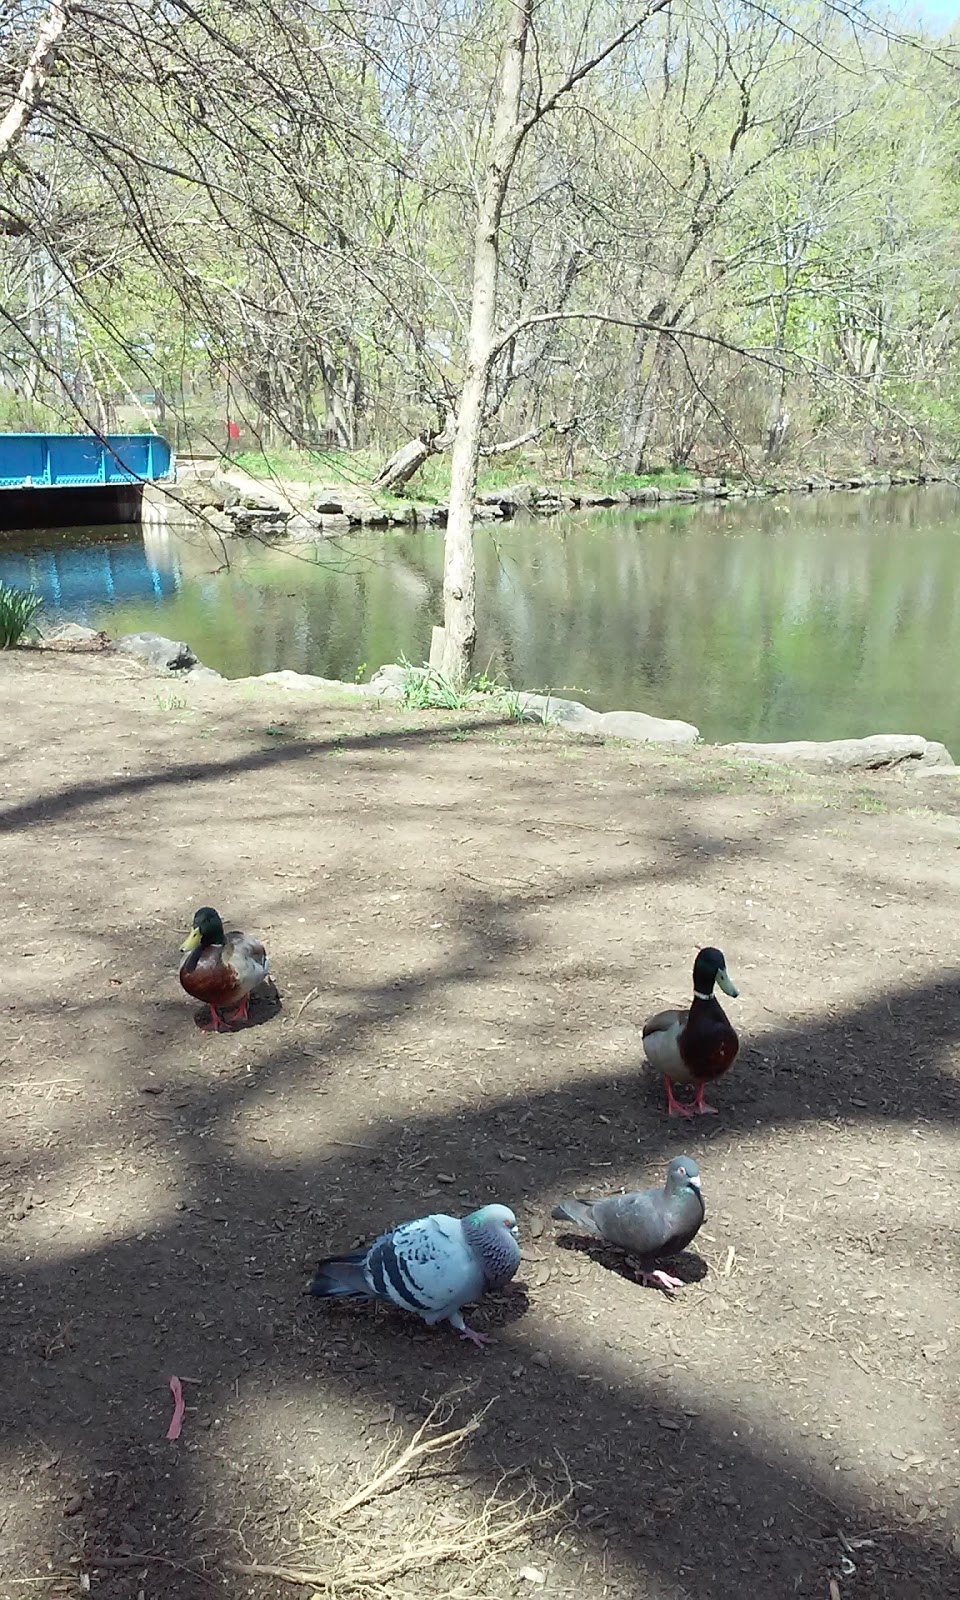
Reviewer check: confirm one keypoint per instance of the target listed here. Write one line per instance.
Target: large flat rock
(849, 755)
(305, 683)
(646, 730)
(635, 725)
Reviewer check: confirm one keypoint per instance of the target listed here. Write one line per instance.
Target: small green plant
(18, 610)
(360, 673)
(869, 802)
(426, 689)
(516, 710)
(171, 702)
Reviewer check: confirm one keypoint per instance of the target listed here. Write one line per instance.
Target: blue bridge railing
(78, 460)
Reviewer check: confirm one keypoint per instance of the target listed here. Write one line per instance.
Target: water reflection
(802, 618)
(79, 572)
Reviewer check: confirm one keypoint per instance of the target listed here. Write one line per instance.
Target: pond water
(826, 616)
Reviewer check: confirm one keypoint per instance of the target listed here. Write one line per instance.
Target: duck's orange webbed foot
(700, 1107)
(675, 1107)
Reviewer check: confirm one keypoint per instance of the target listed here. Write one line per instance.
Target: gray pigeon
(650, 1224)
(432, 1266)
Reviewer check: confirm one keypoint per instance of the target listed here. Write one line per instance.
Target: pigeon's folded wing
(425, 1266)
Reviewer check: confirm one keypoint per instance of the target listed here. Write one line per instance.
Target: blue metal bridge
(82, 460)
(61, 480)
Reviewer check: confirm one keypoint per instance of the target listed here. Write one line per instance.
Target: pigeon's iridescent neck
(497, 1248)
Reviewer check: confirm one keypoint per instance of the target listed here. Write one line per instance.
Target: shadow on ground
(683, 1489)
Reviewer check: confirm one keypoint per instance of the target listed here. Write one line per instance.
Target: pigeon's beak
(695, 1183)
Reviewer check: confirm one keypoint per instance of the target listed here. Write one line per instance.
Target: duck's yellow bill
(726, 983)
(190, 942)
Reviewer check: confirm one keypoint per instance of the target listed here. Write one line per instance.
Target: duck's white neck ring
(698, 996)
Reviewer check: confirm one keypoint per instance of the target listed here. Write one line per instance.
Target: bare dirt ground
(467, 921)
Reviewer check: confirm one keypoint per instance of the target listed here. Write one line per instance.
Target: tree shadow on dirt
(264, 758)
(701, 1504)
(679, 1495)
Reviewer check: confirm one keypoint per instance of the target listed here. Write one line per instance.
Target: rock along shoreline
(233, 504)
(905, 752)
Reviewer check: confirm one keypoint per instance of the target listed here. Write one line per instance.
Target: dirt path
(467, 922)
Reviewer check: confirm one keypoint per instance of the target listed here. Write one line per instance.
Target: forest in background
(732, 243)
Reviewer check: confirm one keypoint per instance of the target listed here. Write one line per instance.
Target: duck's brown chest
(211, 981)
(708, 1044)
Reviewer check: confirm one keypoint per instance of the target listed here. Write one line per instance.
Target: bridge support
(76, 506)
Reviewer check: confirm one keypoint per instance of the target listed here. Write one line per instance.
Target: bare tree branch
(545, 105)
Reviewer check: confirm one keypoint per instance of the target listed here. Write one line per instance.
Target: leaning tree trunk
(410, 458)
(453, 652)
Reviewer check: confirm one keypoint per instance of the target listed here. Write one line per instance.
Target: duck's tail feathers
(340, 1275)
(579, 1213)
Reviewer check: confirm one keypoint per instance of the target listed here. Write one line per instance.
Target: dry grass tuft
(353, 1550)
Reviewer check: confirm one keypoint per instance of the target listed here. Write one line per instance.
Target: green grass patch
(349, 467)
(357, 469)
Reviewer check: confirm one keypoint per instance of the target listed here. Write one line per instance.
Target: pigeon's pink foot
(700, 1107)
(481, 1340)
(661, 1280)
(215, 1024)
(675, 1107)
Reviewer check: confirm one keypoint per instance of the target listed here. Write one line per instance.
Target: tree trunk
(403, 464)
(35, 74)
(410, 458)
(640, 395)
(648, 406)
(459, 566)
(352, 397)
(778, 422)
(778, 417)
(338, 401)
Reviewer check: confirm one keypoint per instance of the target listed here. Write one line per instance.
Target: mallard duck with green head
(696, 1046)
(221, 969)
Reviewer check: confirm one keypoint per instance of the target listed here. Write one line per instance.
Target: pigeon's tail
(579, 1213)
(341, 1275)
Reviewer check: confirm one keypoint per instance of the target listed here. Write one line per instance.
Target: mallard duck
(698, 1045)
(221, 968)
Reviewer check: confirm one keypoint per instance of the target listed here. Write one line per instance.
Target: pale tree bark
(459, 567)
(454, 644)
(35, 74)
(640, 390)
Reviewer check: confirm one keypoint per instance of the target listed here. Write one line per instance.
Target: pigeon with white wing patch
(432, 1267)
(651, 1224)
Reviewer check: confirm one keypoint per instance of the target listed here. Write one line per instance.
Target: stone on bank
(633, 725)
(878, 752)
